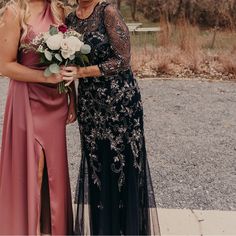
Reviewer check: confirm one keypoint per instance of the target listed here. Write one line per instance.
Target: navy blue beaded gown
(114, 192)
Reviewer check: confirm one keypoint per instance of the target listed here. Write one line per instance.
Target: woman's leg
(44, 222)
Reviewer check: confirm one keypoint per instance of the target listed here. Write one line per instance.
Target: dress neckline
(92, 13)
(41, 14)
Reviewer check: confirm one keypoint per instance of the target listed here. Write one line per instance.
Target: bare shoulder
(10, 32)
(11, 15)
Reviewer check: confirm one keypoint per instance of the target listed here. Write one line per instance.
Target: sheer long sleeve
(119, 39)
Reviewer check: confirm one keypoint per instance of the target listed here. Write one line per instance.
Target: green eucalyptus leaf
(58, 57)
(72, 57)
(48, 55)
(47, 72)
(53, 30)
(84, 59)
(42, 60)
(54, 68)
(85, 49)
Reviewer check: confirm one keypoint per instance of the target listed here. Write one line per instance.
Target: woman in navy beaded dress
(114, 193)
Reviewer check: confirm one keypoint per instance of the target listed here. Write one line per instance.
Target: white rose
(75, 42)
(69, 46)
(67, 53)
(64, 45)
(72, 43)
(54, 41)
(66, 49)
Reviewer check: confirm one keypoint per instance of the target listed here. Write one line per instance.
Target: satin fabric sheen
(35, 120)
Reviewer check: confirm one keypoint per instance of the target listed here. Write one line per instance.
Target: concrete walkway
(195, 222)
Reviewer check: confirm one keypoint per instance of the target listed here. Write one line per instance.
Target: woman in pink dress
(35, 195)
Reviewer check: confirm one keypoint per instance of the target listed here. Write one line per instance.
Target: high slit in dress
(35, 192)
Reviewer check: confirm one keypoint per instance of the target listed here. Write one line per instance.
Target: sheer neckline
(92, 13)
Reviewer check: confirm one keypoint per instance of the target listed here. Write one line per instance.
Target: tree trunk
(133, 9)
(233, 13)
(118, 4)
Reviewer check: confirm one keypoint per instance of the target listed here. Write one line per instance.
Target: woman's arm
(119, 38)
(72, 73)
(10, 33)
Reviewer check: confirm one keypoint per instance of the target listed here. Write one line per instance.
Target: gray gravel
(191, 142)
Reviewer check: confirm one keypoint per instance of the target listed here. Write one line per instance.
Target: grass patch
(184, 50)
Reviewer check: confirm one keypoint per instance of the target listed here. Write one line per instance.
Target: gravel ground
(191, 142)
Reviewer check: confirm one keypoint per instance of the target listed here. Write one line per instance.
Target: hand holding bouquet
(61, 46)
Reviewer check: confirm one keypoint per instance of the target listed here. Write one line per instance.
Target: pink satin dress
(34, 122)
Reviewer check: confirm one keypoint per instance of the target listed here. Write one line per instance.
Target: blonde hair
(21, 7)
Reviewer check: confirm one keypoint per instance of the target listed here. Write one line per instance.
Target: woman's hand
(53, 79)
(70, 74)
(72, 116)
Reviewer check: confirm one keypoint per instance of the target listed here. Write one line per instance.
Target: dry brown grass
(165, 37)
(228, 61)
(185, 51)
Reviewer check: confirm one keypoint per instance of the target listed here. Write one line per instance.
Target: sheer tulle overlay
(35, 193)
(137, 217)
(114, 192)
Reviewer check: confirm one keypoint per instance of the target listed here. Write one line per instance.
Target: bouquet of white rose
(61, 46)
